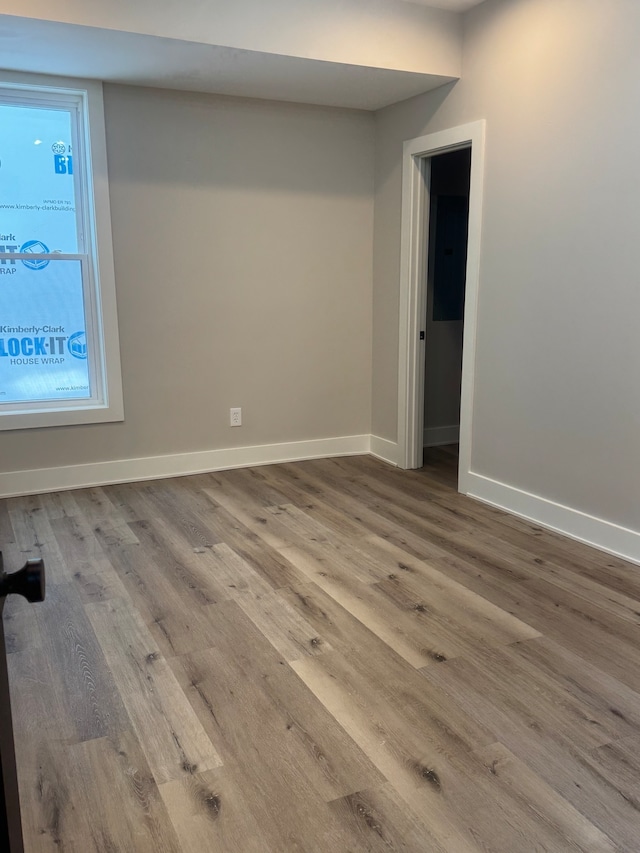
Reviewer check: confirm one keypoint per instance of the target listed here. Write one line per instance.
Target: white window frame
(95, 253)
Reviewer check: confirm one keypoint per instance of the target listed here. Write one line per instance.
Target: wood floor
(321, 656)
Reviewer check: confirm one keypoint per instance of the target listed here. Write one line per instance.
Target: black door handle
(28, 581)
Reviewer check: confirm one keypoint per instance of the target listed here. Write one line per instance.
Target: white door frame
(416, 169)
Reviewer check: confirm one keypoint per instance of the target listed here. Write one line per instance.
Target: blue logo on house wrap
(77, 345)
(35, 247)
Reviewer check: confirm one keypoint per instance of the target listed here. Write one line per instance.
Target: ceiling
(48, 47)
(138, 58)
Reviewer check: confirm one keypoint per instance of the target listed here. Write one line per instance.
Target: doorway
(418, 236)
(444, 320)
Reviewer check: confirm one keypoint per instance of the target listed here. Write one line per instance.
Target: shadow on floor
(441, 463)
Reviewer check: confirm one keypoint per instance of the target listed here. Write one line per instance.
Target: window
(59, 354)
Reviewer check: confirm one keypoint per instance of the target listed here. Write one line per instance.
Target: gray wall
(243, 253)
(557, 403)
(243, 247)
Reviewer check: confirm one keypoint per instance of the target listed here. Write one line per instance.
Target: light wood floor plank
(381, 821)
(573, 773)
(330, 655)
(400, 754)
(35, 539)
(154, 582)
(83, 683)
(171, 735)
(124, 810)
(279, 758)
(543, 815)
(210, 812)
(92, 571)
(277, 704)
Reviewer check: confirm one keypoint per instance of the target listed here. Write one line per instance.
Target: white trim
(102, 247)
(593, 531)
(384, 449)
(415, 193)
(436, 436)
(39, 480)
(601, 534)
(415, 223)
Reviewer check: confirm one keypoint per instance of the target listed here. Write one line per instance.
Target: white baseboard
(601, 534)
(37, 481)
(384, 449)
(435, 436)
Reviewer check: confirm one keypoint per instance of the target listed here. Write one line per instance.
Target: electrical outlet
(235, 417)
